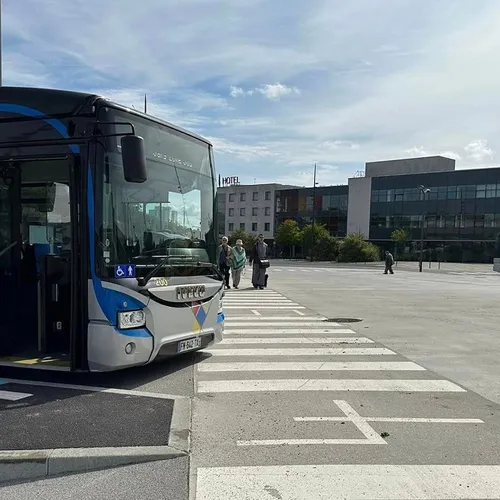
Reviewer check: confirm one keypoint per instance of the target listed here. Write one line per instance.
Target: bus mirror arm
(134, 159)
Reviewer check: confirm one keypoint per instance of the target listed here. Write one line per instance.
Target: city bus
(107, 235)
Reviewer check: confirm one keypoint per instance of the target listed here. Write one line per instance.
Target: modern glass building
(330, 207)
(460, 211)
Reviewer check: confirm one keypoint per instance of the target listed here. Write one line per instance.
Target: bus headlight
(131, 319)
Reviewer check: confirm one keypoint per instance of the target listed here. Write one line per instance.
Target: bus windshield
(171, 214)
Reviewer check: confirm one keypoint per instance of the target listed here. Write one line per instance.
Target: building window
(231, 227)
(242, 212)
(242, 226)
(243, 196)
(268, 210)
(254, 226)
(255, 211)
(255, 196)
(268, 195)
(231, 212)
(489, 220)
(231, 197)
(491, 190)
(481, 191)
(267, 227)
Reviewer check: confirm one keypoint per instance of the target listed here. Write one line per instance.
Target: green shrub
(354, 248)
(327, 248)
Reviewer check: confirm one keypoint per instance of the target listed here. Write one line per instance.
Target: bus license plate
(187, 345)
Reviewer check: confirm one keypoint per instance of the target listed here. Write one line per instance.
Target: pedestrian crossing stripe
(349, 482)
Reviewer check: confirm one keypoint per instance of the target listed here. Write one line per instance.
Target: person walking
(389, 262)
(259, 263)
(225, 254)
(238, 262)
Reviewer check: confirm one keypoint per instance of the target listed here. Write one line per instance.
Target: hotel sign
(228, 181)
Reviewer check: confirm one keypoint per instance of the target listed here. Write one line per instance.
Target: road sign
(125, 271)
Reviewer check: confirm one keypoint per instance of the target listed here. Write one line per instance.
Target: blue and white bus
(107, 234)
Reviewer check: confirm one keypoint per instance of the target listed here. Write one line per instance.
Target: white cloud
(276, 91)
(478, 150)
(361, 80)
(273, 92)
(416, 151)
(237, 91)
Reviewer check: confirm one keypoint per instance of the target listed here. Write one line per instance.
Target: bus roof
(55, 102)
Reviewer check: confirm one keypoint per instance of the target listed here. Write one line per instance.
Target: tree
(400, 238)
(354, 248)
(249, 240)
(238, 234)
(326, 248)
(288, 234)
(306, 235)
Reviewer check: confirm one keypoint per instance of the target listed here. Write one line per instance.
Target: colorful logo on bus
(200, 315)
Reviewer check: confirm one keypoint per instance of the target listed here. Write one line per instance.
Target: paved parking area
(48, 417)
(326, 410)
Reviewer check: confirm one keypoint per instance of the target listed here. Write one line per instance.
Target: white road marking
(427, 420)
(95, 389)
(349, 482)
(292, 319)
(261, 323)
(351, 415)
(396, 420)
(295, 442)
(258, 303)
(257, 313)
(256, 299)
(326, 351)
(299, 313)
(298, 340)
(13, 396)
(365, 385)
(262, 307)
(310, 366)
(261, 330)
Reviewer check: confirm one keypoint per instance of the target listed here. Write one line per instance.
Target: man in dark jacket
(389, 262)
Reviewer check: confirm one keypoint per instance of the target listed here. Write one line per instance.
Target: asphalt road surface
(41, 417)
(292, 407)
(404, 404)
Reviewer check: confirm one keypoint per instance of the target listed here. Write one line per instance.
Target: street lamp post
(0, 43)
(314, 213)
(424, 191)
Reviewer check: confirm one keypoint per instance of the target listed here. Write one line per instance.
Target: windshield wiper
(143, 281)
(212, 266)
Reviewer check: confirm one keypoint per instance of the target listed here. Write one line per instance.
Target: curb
(21, 465)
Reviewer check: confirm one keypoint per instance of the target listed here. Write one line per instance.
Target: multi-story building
(248, 207)
(330, 207)
(460, 209)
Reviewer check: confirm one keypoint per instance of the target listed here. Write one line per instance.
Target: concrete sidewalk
(59, 428)
(444, 267)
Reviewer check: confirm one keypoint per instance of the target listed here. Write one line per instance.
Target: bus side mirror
(134, 159)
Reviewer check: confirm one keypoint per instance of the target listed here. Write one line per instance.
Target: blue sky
(279, 85)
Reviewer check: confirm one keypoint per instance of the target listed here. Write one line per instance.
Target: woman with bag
(260, 263)
(238, 262)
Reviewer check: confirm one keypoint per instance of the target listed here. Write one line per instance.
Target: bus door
(36, 261)
(10, 258)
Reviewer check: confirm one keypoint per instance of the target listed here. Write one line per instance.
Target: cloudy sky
(280, 84)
